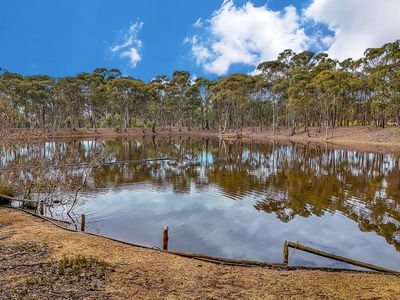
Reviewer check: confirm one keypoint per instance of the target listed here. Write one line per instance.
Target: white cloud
(357, 24)
(133, 56)
(131, 45)
(198, 23)
(247, 35)
(327, 40)
(200, 52)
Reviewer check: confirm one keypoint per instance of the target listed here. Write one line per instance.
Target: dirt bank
(356, 137)
(33, 264)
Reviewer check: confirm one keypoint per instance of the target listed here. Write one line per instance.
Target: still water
(239, 200)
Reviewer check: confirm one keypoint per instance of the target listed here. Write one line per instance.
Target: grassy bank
(41, 261)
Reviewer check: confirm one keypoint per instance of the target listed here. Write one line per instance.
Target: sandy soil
(356, 137)
(139, 273)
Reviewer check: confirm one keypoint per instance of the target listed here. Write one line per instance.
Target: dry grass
(147, 274)
(27, 272)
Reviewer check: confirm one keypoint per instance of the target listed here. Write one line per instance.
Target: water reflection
(238, 200)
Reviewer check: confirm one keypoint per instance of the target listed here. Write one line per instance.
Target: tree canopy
(296, 90)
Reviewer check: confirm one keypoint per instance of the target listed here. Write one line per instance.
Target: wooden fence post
(165, 238)
(41, 208)
(82, 222)
(285, 253)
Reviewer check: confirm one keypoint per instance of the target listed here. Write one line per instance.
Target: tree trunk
(273, 118)
(326, 129)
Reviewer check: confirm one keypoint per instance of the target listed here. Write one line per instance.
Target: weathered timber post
(285, 253)
(82, 222)
(41, 208)
(165, 238)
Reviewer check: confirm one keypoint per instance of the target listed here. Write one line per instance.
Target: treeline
(297, 90)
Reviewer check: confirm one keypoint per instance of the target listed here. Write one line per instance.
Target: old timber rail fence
(40, 213)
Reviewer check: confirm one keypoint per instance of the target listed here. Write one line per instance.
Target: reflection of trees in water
(44, 172)
(362, 186)
(290, 180)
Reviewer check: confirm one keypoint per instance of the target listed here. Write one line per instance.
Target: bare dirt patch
(28, 273)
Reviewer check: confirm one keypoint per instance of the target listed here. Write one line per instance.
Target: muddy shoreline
(128, 271)
(358, 138)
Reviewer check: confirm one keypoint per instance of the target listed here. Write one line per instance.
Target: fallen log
(211, 259)
(353, 262)
(227, 260)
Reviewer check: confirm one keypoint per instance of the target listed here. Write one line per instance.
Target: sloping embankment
(354, 136)
(146, 274)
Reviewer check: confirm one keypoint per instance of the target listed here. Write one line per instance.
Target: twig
(84, 165)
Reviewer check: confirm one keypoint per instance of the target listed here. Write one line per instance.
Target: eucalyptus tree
(157, 91)
(97, 103)
(193, 107)
(203, 87)
(126, 95)
(229, 96)
(328, 87)
(320, 63)
(11, 94)
(261, 108)
(295, 89)
(72, 100)
(39, 98)
(180, 97)
(107, 74)
(300, 102)
(272, 73)
(383, 67)
(9, 116)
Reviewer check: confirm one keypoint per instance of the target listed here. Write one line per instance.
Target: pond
(238, 200)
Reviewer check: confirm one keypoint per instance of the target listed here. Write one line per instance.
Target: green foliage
(296, 89)
(82, 266)
(9, 116)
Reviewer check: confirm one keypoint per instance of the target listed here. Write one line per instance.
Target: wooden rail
(228, 260)
(353, 262)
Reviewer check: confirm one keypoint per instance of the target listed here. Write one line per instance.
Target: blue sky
(62, 38)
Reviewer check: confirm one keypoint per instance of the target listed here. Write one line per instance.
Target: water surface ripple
(238, 200)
